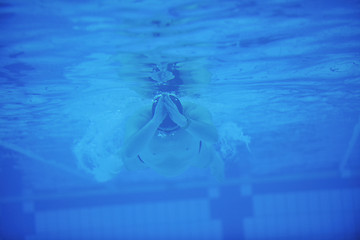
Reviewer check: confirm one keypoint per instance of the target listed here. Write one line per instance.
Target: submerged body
(171, 153)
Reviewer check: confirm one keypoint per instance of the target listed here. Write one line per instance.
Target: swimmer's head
(168, 125)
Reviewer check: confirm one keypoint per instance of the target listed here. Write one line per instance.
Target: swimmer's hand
(160, 111)
(174, 113)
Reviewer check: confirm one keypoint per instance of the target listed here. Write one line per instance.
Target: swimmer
(170, 137)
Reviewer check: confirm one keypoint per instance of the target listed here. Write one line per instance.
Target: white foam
(97, 152)
(231, 137)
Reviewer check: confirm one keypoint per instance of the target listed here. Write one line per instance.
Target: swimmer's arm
(137, 141)
(205, 131)
(200, 123)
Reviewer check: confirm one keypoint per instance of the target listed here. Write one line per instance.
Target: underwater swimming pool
(281, 80)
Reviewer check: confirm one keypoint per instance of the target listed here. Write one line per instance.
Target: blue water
(280, 78)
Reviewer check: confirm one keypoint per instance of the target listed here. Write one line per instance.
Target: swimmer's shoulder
(137, 120)
(143, 113)
(197, 112)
